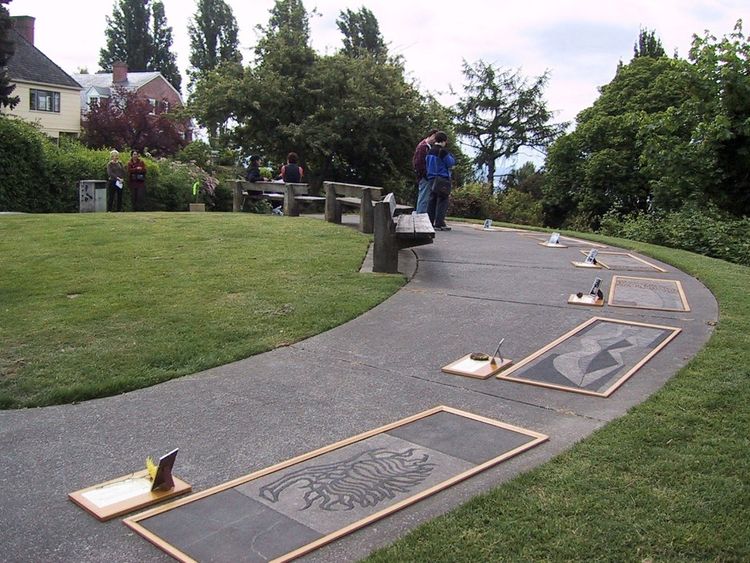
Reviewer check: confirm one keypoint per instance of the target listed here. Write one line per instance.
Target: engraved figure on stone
(360, 481)
(600, 353)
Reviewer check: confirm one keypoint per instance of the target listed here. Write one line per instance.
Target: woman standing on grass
(137, 176)
(116, 175)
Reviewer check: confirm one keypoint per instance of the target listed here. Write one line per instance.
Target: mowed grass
(97, 304)
(670, 481)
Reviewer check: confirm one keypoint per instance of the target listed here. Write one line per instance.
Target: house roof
(29, 64)
(103, 81)
(102, 84)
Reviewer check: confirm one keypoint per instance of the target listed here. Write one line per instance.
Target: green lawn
(668, 482)
(92, 305)
(97, 304)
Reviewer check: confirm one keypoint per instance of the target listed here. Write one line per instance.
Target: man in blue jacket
(439, 162)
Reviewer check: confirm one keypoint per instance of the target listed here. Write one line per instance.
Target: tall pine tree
(6, 52)
(142, 41)
(213, 35)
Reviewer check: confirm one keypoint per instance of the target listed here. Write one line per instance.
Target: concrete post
(237, 197)
(333, 209)
(366, 212)
(385, 247)
(291, 205)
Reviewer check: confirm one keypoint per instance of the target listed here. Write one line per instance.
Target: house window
(153, 106)
(44, 100)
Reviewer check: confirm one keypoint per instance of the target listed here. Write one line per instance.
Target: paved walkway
(470, 288)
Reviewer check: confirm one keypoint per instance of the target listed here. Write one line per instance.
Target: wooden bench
(289, 194)
(394, 232)
(339, 195)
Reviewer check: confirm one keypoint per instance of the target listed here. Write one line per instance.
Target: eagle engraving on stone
(363, 480)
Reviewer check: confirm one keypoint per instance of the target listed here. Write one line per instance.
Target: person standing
(439, 162)
(137, 181)
(291, 172)
(116, 183)
(418, 162)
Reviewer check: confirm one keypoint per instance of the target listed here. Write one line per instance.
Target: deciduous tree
(163, 59)
(128, 36)
(648, 45)
(213, 35)
(665, 133)
(599, 166)
(125, 121)
(361, 34)
(138, 34)
(349, 119)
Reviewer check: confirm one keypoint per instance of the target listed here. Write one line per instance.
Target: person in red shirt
(137, 181)
(419, 163)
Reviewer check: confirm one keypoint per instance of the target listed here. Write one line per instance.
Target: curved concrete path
(470, 288)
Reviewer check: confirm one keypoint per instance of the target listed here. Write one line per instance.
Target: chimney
(119, 72)
(24, 25)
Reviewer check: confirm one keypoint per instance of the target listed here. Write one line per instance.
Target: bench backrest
(390, 199)
(352, 190)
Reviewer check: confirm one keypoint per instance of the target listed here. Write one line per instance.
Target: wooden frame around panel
(678, 285)
(133, 521)
(633, 256)
(623, 378)
(104, 513)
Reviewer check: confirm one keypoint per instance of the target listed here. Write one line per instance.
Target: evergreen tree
(162, 57)
(361, 34)
(500, 112)
(6, 52)
(213, 35)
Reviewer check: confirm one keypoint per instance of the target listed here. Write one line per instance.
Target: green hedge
(706, 231)
(475, 201)
(39, 176)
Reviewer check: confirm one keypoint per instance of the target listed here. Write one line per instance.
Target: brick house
(49, 96)
(149, 85)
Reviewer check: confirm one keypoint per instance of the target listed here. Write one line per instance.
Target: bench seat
(414, 226)
(394, 232)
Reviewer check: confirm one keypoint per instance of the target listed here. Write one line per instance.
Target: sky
(579, 42)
